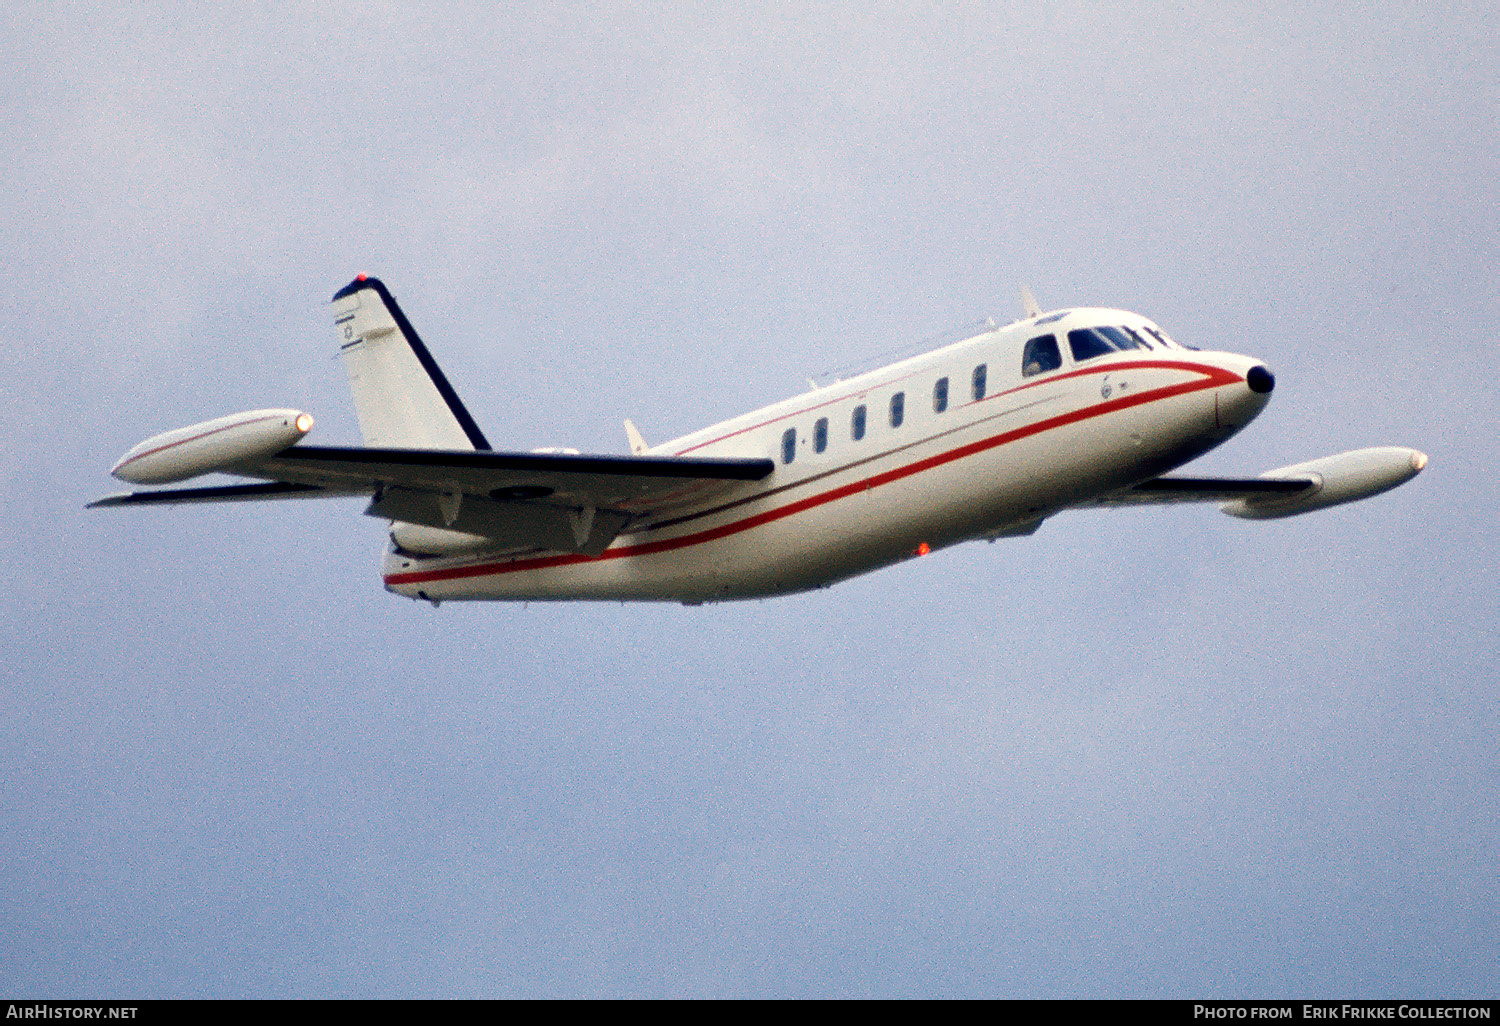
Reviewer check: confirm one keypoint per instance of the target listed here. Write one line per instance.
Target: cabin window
(1041, 354)
(1087, 343)
(789, 445)
(940, 395)
(857, 423)
(979, 382)
(820, 434)
(1120, 339)
(898, 409)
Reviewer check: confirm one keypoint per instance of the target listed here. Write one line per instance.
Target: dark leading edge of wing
(228, 493)
(566, 463)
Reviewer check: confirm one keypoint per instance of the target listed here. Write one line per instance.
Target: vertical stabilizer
(400, 394)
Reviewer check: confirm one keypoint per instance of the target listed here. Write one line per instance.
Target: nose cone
(1260, 379)
(1242, 398)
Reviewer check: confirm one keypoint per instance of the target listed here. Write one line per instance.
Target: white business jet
(985, 438)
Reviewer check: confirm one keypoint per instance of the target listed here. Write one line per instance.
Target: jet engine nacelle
(212, 445)
(1336, 479)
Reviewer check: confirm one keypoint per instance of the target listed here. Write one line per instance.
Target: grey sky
(1154, 753)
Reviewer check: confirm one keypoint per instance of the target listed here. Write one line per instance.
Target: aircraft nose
(1242, 398)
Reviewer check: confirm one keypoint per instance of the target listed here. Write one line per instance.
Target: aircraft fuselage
(953, 445)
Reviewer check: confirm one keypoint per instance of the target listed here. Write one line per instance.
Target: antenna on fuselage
(637, 443)
(1028, 302)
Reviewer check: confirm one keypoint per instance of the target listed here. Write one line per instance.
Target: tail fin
(401, 396)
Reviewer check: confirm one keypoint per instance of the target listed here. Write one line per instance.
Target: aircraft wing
(1163, 491)
(566, 501)
(1283, 492)
(228, 493)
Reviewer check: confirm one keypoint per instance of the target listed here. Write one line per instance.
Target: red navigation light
(923, 549)
(360, 276)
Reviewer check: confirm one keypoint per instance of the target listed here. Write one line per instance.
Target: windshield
(1087, 343)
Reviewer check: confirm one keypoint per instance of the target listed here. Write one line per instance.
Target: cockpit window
(1041, 354)
(1137, 336)
(1087, 343)
(1121, 340)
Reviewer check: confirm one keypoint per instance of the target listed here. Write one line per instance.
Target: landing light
(305, 423)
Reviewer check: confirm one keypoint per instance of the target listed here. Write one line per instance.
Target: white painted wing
(1163, 491)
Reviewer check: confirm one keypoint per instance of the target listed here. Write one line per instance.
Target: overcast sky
(1141, 753)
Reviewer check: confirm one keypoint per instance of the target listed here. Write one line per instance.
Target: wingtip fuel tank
(212, 445)
(1347, 477)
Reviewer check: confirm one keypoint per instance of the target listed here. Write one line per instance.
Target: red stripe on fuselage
(862, 392)
(1213, 377)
